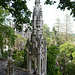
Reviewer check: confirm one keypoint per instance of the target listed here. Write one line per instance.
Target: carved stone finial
(37, 1)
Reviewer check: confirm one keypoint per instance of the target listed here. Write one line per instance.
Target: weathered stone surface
(2, 72)
(17, 71)
(37, 47)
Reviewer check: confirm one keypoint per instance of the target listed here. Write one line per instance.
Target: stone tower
(37, 48)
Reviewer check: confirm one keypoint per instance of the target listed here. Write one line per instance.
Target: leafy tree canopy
(70, 68)
(67, 48)
(65, 57)
(6, 32)
(52, 52)
(7, 35)
(69, 4)
(66, 53)
(21, 13)
(46, 33)
(3, 14)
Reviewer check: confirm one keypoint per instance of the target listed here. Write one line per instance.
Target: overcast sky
(51, 13)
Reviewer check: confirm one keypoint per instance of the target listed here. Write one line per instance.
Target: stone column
(42, 65)
(39, 64)
(35, 63)
(46, 61)
(0, 51)
(29, 62)
(10, 66)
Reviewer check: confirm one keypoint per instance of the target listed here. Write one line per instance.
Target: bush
(20, 58)
(51, 64)
(70, 68)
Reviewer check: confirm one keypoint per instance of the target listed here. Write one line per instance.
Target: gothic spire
(37, 2)
(37, 8)
(37, 16)
(37, 44)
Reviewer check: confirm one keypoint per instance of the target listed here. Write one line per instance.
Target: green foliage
(73, 54)
(7, 32)
(50, 2)
(20, 57)
(51, 56)
(21, 13)
(20, 37)
(20, 42)
(67, 48)
(64, 4)
(70, 68)
(5, 55)
(19, 10)
(64, 30)
(54, 38)
(3, 14)
(65, 55)
(46, 33)
(7, 36)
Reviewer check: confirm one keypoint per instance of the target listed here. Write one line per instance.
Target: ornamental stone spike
(37, 2)
(37, 48)
(37, 18)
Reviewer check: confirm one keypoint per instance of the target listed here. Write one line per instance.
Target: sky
(51, 13)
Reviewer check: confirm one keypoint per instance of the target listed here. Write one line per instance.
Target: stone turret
(37, 48)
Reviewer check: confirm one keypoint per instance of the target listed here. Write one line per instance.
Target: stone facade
(37, 48)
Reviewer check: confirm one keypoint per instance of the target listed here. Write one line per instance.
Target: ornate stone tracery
(37, 48)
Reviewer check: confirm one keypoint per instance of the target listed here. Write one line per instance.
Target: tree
(67, 27)
(7, 35)
(20, 42)
(3, 14)
(20, 57)
(46, 33)
(65, 55)
(64, 32)
(58, 26)
(51, 64)
(21, 13)
(54, 37)
(70, 68)
(70, 5)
